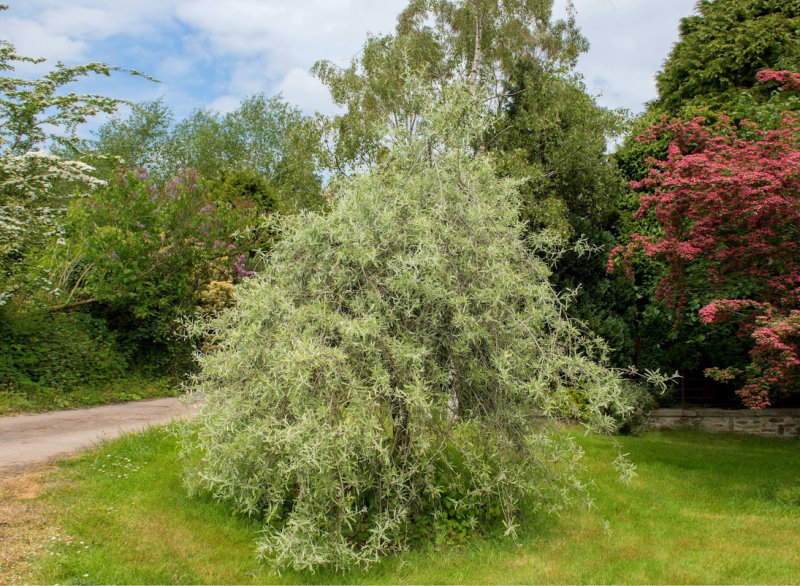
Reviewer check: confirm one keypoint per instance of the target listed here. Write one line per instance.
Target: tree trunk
(400, 438)
(73, 305)
(476, 60)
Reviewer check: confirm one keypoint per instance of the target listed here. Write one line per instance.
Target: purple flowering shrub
(151, 250)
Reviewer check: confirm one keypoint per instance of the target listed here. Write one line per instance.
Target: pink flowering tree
(727, 201)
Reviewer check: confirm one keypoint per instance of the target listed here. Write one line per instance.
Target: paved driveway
(29, 440)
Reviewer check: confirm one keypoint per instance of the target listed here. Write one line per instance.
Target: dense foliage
(265, 139)
(721, 49)
(388, 371)
(553, 135)
(712, 71)
(549, 133)
(40, 350)
(148, 252)
(726, 200)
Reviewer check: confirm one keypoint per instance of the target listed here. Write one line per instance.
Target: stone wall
(766, 422)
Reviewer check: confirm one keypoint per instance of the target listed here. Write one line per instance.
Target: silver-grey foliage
(397, 352)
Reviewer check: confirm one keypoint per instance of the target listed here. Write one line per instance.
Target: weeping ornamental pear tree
(548, 132)
(399, 364)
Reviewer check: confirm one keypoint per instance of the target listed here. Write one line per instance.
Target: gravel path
(27, 441)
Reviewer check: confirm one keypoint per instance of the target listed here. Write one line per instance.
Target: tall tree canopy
(479, 42)
(485, 39)
(721, 49)
(553, 136)
(263, 138)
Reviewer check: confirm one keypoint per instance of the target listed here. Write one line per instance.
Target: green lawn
(703, 509)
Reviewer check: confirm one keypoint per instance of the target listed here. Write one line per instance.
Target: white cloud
(224, 50)
(103, 18)
(82, 21)
(307, 92)
(301, 31)
(66, 31)
(225, 104)
(244, 28)
(629, 41)
(274, 43)
(34, 40)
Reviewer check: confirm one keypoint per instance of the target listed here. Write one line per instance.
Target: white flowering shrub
(390, 369)
(38, 128)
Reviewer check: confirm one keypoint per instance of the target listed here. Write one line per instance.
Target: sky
(212, 53)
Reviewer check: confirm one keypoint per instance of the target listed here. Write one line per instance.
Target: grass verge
(41, 398)
(703, 509)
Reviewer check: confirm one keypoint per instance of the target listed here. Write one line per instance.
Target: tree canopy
(721, 49)
(477, 42)
(264, 137)
(37, 116)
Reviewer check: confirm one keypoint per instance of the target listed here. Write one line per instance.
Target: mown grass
(703, 509)
(37, 399)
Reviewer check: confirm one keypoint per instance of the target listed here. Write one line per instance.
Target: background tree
(38, 122)
(145, 253)
(478, 42)
(726, 200)
(141, 139)
(266, 136)
(108, 243)
(711, 70)
(721, 49)
(486, 39)
(554, 138)
(186, 213)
